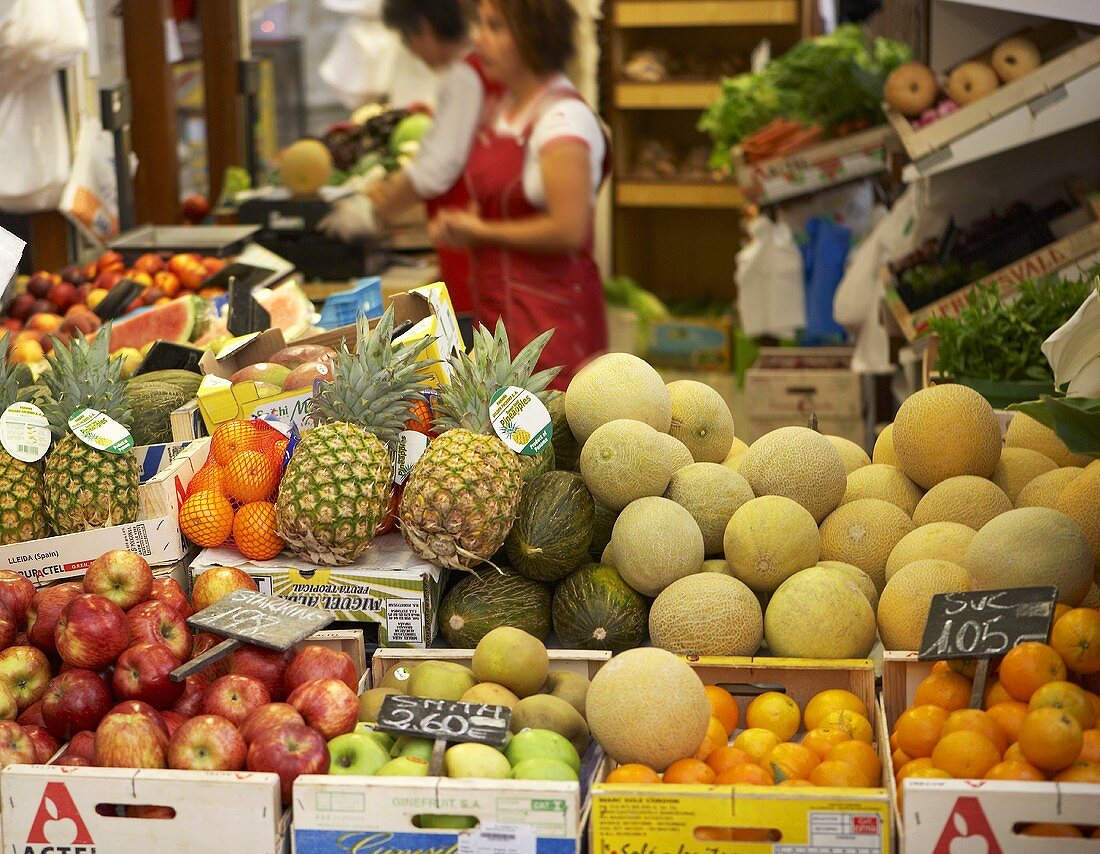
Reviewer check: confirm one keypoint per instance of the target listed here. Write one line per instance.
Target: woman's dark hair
(543, 30)
(446, 17)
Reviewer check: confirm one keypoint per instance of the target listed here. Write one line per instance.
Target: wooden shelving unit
(678, 194)
(705, 13)
(668, 95)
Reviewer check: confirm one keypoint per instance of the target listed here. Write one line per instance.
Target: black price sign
(444, 720)
(986, 623)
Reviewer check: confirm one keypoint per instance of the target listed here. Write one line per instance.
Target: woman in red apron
(532, 175)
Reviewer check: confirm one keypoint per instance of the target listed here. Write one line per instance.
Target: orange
(913, 765)
(747, 773)
(723, 707)
(834, 772)
(689, 771)
(830, 701)
(254, 531)
(898, 758)
(793, 782)
(946, 689)
(851, 722)
(633, 772)
(791, 761)
(893, 741)
(1076, 637)
(233, 437)
(965, 754)
(1008, 716)
(1050, 739)
(250, 476)
(1090, 746)
(1029, 666)
(206, 518)
(1014, 753)
(210, 476)
(776, 712)
(860, 754)
(918, 729)
(1060, 610)
(1049, 829)
(825, 738)
(931, 772)
(995, 693)
(757, 742)
(716, 737)
(1065, 696)
(1014, 769)
(939, 666)
(1079, 772)
(727, 757)
(975, 720)
(1095, 700)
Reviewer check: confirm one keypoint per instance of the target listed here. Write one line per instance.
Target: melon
(655, 542)
(1092, 598)
(1046, 489)
(1032, 547)
(615, 386)
(945, 431)
(940, 540)
(818, 613)
(857, 576)
(151, 408)
(863, 533)
(769, 539)
(711, 493)
(481, 602)
(290, 309)
(707, 614)
(903, 606)
(305, 166)
(625, 460)
(553, 528)
(675, 454)
(1025, 432)
(1017, 467)
(1080, 500)
(409, 130)
(567, 450)
(798, 463)
(701, 419)
(851, 454)
(966, 499)
(883, 452)
(647, 706)
(717, 565)
(737, 451)
(887, 483)
(595, 609)
(173, 321)
(603, 521)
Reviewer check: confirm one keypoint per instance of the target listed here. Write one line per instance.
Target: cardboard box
(153, 459)
(187, 423)
(691, 343)
(389, 586)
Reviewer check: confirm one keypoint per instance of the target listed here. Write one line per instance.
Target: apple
(143, 672)
(82, 321)
(203, 642)
(16, 591)
(194, 688)
(9, 627)
(46, 322)
(151, 295)
(207, 743)
(20, 309)
(193, 275)
(321, 662)
(82, 744)
(16, 747)
(181, 260)
(404, 766)
(476, 760)
(289, 751)
(142, 278)
(169, 591)
(74, 274)
(26, 670)
(130, 741)
(140, 707)
(355, 753)
(195, 208)
(82, 294)
(39, 284)
(45, 745)
(150, 263)
(266, 666)
(971, 81)
(532, 743)
(156, 622)
(328, 705)
(32, 715)
(234, 697)
(168, 282)
(216, 582)
(269, 716)
(71, 760)
(9, 709)
(121, 576)
(172, 720)
(62, 295)
(106, 281)
(92, 632)
(41, 306)
(110, 261)
(44, 611)
(74, 700)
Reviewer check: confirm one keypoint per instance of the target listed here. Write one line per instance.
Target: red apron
(454, 264)
(532, 292)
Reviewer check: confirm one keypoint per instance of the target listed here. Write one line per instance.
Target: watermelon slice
(172, 321)
(289, 307)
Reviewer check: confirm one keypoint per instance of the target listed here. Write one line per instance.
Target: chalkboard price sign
(986, 623)
(444, 720)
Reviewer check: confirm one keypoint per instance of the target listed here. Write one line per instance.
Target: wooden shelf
(705, 13)
(667, 95)
(677, 194)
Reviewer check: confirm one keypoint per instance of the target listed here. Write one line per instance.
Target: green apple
(403, 766)
(542, 768)
(383, 738)
(355, 753)
(408, 745)
(476, 760)
(440, 822)
(542, 744)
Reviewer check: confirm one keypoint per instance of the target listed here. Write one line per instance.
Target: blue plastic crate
(342, 309)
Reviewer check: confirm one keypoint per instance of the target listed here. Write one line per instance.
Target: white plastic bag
(360, 64)
(37, 37)
(1073, 350)
(90, 200)
(770, 297)
(35, 143)
(11, 250)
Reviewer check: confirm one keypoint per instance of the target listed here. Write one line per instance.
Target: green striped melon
(595, 609)
(603, 522)
(481, 602)
(567, 450)
(553, 528)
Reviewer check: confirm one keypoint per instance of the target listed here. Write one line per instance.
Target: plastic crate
(342, 309)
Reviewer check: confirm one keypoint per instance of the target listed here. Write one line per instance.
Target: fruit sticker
(521, 420)
(407, 450)
(25, 432)
(100, 431)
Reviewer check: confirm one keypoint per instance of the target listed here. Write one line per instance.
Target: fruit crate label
(25, 432)
(445, 719)
(985, 623)
(404, 621)
(407, 451)
(490, 838)
(521, 420)
(254, 617)
(100, 431)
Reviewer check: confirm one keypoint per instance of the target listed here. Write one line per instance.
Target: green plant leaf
(1075, 420)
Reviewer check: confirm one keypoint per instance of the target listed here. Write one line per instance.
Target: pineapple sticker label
(407, 451)
(520, 420)
(25, 432)
(100, 431)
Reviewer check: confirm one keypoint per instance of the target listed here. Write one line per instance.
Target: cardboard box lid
(242, 352)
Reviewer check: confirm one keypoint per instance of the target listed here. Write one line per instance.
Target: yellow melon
(1025, 432)
(883, 453)
(711, 493)
(737, 450)
(903, 605)
(769, 539)
(966, 499)
(851, 454)
(940, 540)
(1046, 489)
(613, 386)
(945, 431)
(716, 565)
(707, 614)
(675, 454)
(863, 533)
(1017, 467)
(1092, 598)
(1080, 500)
(798, 463)
(888, 483)
(655, 542)
(701, 419)
(818, 613)
(625, 460)
(857, 576)
(305, 166)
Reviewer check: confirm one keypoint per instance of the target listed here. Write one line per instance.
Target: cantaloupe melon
(625, 460)
(857, 576)
(888, 483)
(941, 540)
(1017, 467)
(769, 539)
(707, 614)
(818, 613)
(1092, 598)
(863, 533)
(851, 454)
(1080, 500)
(737, 450)
(945, 431)
(1046, 489)
(711, 493)
(903, 606)
(668, 724)
(675, 454)
(1032, 547)
(798, 463)
(1025, 432)
(701, 419)
(966, 499)
(305, 166)
(655, 542)
(613, 386)
(717, 565)
(883, 453)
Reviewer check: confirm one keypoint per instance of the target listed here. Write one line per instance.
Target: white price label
(521, 420)
(490, 838)
(25, 432)
(407, 451)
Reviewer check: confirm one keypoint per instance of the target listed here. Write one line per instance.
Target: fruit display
(375, 137)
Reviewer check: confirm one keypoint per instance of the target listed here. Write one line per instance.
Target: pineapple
(22, 514)
(87, 488)
(338, 484)
(462, 496)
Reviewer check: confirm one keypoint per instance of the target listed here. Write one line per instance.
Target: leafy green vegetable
(1076, 420)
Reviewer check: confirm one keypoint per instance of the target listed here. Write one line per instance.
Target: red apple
(194, 688)
(39, 284)
(110, 261)
(267, 666)
(45, 745)
(193, 275)
(32, 715)
(203, 642)
(168, 282)
(150, 263)
(41, 306)
(74, 700)
(44, 611)
(9, 626)
(16, 591)
(289, 751)
(74, 275)
(172, 720)
(26, 671)
(62, 295)
(143, 671)
(328, 705)
(213, 265)
(121, 576)
(207, 743)
(156, 622)
(195, 208)
(71, 760)
(140, 707)
(83, 744)
(20, 309)
(139, 276)
(82, 321)
(216, 582)
(152, 295)
(11, 324)
(82, 294)
(179, 261)
(130, 741)
(234, 697)
(16, 747)
(92, 632)
(169, 591)
(268, 717)
(321, 662)
(107, 280)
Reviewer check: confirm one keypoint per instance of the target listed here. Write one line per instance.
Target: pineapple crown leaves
(374, 386)
(489, 368)
(83, 373)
